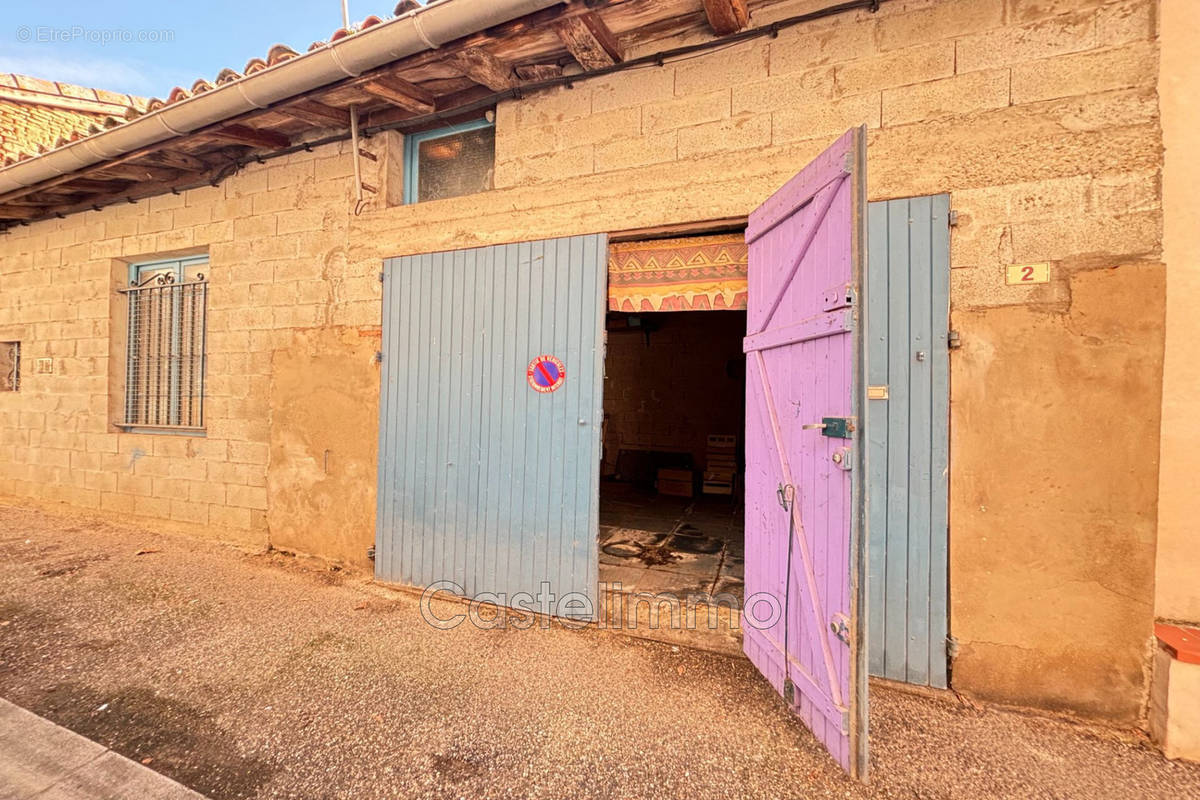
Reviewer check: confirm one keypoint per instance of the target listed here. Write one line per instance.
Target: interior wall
(669, 389)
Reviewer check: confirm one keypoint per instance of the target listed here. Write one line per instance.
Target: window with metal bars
(164, 374)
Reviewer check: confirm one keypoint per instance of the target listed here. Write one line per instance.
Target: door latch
(833, 427)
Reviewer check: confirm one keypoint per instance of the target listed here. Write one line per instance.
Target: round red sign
(545, 374)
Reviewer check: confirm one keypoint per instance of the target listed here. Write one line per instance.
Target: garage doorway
(671, 478)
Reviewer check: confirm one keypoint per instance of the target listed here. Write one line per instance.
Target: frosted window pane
(454, 165)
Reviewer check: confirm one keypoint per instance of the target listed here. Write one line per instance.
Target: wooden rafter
(538, 72)
(726, 16)
(401, 93)
(136, 172)
(137, 191)
(590, 41)
(88, 185)
(20, 212)
(173, 159)
(317, 114)
(254, 137)
(484, 68)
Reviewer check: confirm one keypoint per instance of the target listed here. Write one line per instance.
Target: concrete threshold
(39, 759)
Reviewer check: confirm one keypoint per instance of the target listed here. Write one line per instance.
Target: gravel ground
(257, 675)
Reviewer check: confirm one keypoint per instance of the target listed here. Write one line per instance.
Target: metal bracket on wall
(953, 340)
(952, 218)
(378, 356)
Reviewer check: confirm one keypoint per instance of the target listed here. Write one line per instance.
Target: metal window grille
(164, 382)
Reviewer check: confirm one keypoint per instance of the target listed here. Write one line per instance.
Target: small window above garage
(449, 162)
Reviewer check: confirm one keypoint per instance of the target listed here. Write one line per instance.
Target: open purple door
(805, 505)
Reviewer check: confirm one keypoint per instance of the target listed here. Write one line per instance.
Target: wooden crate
(676, 482)
(720, 467)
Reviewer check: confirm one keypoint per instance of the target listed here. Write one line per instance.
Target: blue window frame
(181, 268)
(165, 346)
(417, 148)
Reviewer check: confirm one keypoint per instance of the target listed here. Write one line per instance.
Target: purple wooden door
(804, 502)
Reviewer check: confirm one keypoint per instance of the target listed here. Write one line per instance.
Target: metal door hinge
(951, 647)
(378, 356)
(381, 276)
(953, 219)
(371, 552)
(835, 297)
(953, 340)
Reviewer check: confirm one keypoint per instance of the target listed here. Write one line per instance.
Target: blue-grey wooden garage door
(909, 308)
(483, 481)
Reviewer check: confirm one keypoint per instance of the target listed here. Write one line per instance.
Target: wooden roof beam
(88, 185)
(254, 137)
(401, 93)
(20, 212)
(318, 114)
(726, 16)
(484, 68)
(590, 41)
(134, 172)
(539, 72)
(173, 159)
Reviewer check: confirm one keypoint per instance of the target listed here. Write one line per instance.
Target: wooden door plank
(899, 373)
(939, 504)
(919, 432)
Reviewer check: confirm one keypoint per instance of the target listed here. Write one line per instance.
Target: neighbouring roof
(36, 115)
(53, 126)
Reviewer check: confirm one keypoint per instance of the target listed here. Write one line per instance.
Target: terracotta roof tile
(37, 115)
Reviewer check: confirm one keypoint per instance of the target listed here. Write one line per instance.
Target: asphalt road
(258, 675)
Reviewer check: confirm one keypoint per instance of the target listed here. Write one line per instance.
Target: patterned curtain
(696, 273)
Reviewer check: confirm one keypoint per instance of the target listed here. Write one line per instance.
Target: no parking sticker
(545, 374)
